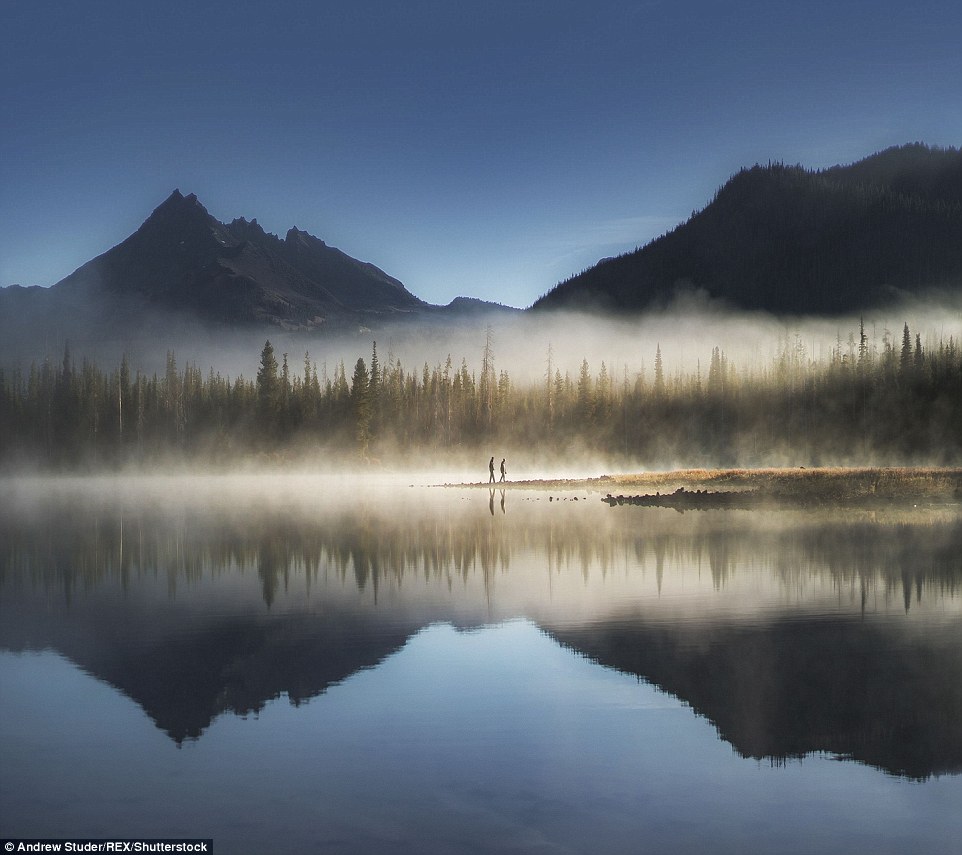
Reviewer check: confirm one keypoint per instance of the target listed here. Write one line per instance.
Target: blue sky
(488, 149)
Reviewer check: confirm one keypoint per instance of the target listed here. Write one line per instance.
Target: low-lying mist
(555, 394)
(522, 344)
(686, 333)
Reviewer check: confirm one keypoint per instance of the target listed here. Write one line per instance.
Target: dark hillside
(791, 241)
(910, 170)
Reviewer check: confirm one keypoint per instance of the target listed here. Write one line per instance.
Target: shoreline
(815, 485)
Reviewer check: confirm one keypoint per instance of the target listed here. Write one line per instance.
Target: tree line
(897, 403)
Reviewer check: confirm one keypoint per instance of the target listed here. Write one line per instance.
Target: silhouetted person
(503, 472)
(491, 470)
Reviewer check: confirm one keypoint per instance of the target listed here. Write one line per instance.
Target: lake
(364, 665)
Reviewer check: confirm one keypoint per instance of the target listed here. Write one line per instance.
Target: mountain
(792, 241)
(184, 275)
(776, 238)
(183, 260)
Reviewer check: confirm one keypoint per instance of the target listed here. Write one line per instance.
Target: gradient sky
(488, 149)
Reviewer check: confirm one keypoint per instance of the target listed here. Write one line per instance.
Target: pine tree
(488, 384)
(585, 392)
(267, 388)
(267, 376)
(659, 372)
(123, 394)
(906, 356)
(361, 404)
(549, 388)
(284, 405)
(603, 393)
(310, 390)
(374, 390)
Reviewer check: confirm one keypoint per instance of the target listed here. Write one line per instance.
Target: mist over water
(551, 554)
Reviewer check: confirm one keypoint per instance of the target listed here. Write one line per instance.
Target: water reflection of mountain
(184, 670)
(779, 691)
(793, 688)
(196, 614)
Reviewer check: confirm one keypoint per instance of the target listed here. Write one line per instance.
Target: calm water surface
(315, 664)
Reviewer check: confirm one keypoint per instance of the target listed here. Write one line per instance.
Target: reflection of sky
(462, 741)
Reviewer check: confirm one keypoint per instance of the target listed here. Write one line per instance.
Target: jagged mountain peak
(183, 259)
(249, 230)
(179, 213)
(296, 235)
(177, 201)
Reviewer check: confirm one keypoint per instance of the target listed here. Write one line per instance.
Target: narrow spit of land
(742, 488)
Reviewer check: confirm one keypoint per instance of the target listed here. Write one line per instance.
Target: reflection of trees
(274, 559)
(774, 689)
(67, 549)
(901, 555)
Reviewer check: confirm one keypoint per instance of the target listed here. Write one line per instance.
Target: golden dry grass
(827, 484)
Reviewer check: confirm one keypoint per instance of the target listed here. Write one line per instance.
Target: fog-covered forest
(894, 402)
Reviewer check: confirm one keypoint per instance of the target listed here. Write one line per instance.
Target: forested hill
(793, 241)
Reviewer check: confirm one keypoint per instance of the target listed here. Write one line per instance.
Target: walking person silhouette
(503, 471)
(491, 470)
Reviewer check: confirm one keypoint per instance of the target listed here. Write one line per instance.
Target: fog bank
(522, 344)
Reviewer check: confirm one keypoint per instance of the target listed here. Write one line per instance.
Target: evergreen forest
(894, 404)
